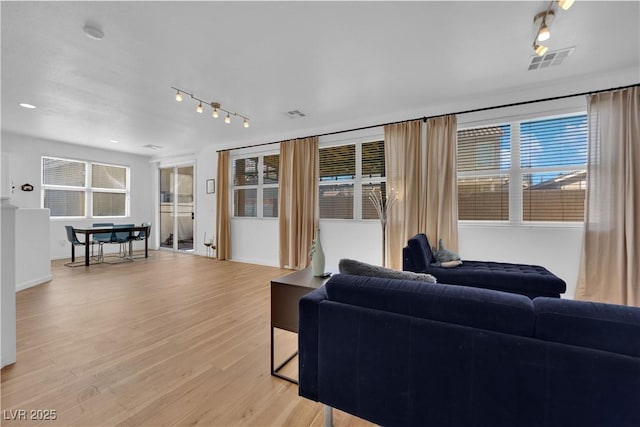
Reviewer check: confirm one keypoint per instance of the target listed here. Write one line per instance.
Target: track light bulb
(565, 4)
(544, 33)
(540, 49)
(178, 96)
(215, 113)
(246, 123)
(199, 108)
(227, 119)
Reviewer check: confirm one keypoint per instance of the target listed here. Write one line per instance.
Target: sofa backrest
(461, 305)
(608, 327)
(417, 255)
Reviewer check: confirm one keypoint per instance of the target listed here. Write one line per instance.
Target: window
(109, 190)
(255, 186)
(553, 155)
(337, 178)
(348, 173)
(73, 188)
(484, 156)
(544, 158)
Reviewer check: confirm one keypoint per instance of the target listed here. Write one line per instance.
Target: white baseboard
(34, 282)
(253, 261)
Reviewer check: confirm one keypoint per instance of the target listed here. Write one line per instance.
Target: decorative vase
(317, 256)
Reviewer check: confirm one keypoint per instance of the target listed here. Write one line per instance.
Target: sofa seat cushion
(502, 275)
(608, 327)
(466, 306)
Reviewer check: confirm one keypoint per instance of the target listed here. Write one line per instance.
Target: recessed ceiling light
(25, 105)
(153, 147)
(114, 141)
(93, 32)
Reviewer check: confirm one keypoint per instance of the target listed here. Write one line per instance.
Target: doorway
(177, 208)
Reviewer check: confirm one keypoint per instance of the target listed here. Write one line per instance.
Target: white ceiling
(344, 64)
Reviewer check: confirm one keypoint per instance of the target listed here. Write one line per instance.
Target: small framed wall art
(211, 186)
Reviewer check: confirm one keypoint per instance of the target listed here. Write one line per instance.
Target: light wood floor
(172, 340)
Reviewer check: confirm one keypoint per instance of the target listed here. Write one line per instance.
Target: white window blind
(109, 190)
(373, 176)
(337, 177)
(484, 158)
(550, 158)
(270, 177)
(245, 192)
(553, 155)
(67, 173)
(70, 185)
(255, 186)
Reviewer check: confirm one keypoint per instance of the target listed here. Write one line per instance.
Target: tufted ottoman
(530, 280)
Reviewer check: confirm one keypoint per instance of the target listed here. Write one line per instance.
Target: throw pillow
(446, 256)
(358, 268)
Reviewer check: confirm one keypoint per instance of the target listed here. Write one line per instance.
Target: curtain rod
(425, 118)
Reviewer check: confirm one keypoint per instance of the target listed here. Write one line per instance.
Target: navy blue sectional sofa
(530, 280)
(401, 353)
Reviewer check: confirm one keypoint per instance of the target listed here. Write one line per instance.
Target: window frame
(516, 172)
(358, 181)
(87, 189)
(260, 186)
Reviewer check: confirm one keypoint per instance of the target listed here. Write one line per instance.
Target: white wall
(555, 247)
(33, 258)
(25, 161)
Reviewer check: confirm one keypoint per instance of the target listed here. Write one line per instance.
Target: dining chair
(73, 239)
(102, 238)
(141, 235)
(124, 238)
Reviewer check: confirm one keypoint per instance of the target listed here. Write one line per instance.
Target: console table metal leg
(275, 371)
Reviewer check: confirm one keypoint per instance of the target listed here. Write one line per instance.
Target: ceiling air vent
(555, 57)
(294, 114)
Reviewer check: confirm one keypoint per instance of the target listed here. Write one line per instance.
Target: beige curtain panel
(223, 210)
(297, 200)
(404, 160)
(442, 183)
(610, 262)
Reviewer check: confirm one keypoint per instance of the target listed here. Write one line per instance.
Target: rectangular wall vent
(294, 114)
(555, 57)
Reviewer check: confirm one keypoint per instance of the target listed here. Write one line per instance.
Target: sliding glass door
(177, 208)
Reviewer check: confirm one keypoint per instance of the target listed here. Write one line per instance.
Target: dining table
(88, 231)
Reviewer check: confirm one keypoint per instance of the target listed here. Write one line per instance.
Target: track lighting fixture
(540, 49)
(565, 4)
(544, 33)
(542, 21)
(215, 107)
